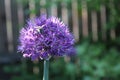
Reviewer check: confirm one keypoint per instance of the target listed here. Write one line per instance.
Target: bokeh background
(94, 23)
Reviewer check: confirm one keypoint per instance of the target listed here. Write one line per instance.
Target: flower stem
(46, 70)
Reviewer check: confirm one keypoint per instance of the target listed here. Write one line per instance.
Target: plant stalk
(46, 70)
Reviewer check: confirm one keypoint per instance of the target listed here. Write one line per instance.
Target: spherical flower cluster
(44, 37)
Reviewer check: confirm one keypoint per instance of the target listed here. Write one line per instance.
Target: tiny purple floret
(44, 37)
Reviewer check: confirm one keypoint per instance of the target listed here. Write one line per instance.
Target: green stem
(46, 70)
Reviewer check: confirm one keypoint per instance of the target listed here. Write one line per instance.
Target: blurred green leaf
(82, 48)
(70, 69)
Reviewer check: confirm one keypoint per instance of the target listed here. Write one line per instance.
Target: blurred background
(94, 23)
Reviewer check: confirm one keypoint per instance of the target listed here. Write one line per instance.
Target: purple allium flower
(44, 37)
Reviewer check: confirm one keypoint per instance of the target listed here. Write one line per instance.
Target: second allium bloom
(44, 37)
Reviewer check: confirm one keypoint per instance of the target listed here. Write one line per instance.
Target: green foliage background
(94, 60)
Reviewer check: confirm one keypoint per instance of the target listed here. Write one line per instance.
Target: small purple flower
(44, 37)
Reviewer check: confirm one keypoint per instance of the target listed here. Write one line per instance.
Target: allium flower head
(44, 37)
